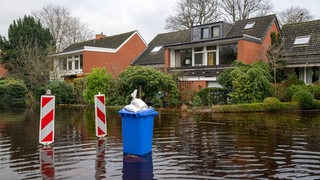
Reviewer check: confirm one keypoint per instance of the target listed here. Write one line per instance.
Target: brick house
(3, 71)
(113, 52)
(198, 55)
(302, 50)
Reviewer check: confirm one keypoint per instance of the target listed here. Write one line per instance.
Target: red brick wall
(166, 59)
(250, 52)
(195, 85)
(3, 72)
(115, 63)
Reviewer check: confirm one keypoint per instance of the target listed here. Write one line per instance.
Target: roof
(112, 42)
(297, 54)
(148, 57)
(259, 29)
(233, 33)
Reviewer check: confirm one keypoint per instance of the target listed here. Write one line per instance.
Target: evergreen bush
(213, 96)
(12, 93)
(97, 81)
(304, 98)
(62, 91)
(271, 103)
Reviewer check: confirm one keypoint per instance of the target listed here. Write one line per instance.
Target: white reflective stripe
(47, 108)
(47, 130)
(101, 125)
(100, 105)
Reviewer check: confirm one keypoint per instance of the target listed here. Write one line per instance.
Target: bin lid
(146, 112)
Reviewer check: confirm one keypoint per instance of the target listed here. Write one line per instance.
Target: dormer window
(301, 40)
(204, 33)
(215, 31)
(156, 49)
(249, 25)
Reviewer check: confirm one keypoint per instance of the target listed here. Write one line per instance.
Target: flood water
(185, 146)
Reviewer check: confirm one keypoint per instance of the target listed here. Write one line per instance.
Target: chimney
(100, 36)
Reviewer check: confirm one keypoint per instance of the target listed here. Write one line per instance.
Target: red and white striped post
(46, 129)
(100, 115)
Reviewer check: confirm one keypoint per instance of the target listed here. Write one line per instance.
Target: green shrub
(280, 90)
(62, 91)
(152, 82)
(304, 98)
(255, 107)
(12, 93)
(316, 104)
(97, 81)
(197, 101)
(213, 96)
(314, 89)
(271, 103)
(187, 96)
(79, 85)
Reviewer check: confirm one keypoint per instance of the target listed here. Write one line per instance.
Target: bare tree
(275, 54)
(64, 28)
(294, 14)
(193, 12)
(243, 9)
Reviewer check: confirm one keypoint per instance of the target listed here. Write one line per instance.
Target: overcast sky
(118, 16)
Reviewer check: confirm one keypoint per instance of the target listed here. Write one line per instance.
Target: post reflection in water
(137, 167)
(47, 163)
(100, 159)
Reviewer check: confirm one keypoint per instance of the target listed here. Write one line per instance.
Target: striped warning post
(100, 115)
(46, 129)
(47, 163)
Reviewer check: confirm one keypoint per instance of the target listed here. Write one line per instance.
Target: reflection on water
(185, 146)
(137, 167)
(47, 162)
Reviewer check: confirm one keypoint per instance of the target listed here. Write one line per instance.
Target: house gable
(114, 52)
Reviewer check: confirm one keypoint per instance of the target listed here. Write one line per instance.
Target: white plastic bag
(136, 104)
(131, 107)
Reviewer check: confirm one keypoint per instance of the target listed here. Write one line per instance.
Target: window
(69, 65)
(156, 49)
(249, 25)
(211, 55)
(228, 53)
(76, 64)
(204, 33)
(301, 40)
(81, 61)
(64, 64)
(215, 31)
(183, 57)
(198, 56)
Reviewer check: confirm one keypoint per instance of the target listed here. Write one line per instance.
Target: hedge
(12, 93)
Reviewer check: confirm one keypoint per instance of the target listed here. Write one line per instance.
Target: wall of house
(250, 52)
(166, 59)
(115, 63)
(3, 72)
(194, 85)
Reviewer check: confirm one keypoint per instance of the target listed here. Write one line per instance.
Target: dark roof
(259, 30)
(112, 42)
(310, 52)
(148, 57)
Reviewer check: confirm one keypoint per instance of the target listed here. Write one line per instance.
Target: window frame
(249, 25)
(301, 40)
(205, 33)
(212, 31)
